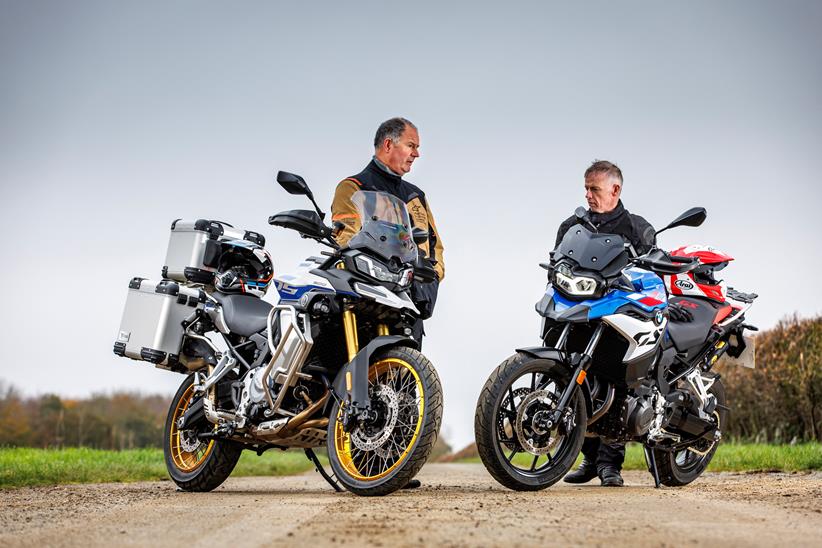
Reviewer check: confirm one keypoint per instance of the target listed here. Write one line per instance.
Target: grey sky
(116, 118)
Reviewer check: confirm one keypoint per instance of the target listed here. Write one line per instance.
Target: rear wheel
(513, 441)
(195, 464)
(683, 467)
(380, 457)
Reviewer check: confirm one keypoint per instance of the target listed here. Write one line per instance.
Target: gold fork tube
(350, 328)
(382, 330)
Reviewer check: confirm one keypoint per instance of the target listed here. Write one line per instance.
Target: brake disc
(505, 426)
(535, 441)
(369, 442)
(188, 441)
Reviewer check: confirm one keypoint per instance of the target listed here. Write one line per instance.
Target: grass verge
(23, 466)
(732, 457)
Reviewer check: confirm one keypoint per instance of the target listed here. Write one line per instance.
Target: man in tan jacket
(396, 146)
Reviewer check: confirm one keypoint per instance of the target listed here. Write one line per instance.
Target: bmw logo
(658, 317)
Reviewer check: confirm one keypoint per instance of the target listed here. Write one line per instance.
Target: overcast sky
(118, 117)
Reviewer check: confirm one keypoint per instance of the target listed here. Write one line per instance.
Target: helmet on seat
(700, 282)
(244, 267)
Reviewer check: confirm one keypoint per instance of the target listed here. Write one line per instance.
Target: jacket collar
(601, 218)
(383, 170)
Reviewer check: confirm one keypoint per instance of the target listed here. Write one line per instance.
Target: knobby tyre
(379, 458)
(515, 450)
(193, 464)
(683, 467)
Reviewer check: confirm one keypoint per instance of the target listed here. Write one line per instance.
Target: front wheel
(513, 440)
(683, 467)
(382, 456)
(195, 464)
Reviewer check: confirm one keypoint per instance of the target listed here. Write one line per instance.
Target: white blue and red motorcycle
(332, 365)
(612, 364)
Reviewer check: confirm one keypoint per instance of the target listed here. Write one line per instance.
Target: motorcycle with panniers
(331, 365)
(613, 365)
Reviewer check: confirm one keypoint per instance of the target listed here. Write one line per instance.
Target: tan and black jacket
(377, 179)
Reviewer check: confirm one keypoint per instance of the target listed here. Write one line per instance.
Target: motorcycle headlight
(381, 272)
(567, 281)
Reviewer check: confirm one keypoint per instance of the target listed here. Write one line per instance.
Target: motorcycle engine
(249, 395)
(637, 415)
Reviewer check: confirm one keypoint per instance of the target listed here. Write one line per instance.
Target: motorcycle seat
(691, 336)
(244, 314)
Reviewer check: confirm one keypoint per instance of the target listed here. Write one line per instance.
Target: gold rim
(372, 465)
(186, 461)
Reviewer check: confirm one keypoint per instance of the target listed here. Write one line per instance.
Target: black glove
(679, 313)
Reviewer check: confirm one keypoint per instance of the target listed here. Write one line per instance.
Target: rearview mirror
(693, 217)
(293, 184)
(419, 235)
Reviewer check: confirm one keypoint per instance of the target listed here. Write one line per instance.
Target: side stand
(651, 460)
(319, 467)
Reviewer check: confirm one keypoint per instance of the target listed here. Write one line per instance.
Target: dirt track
(458, 505)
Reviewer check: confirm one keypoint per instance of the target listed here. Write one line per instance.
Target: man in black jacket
(396, 147)
(603, 186)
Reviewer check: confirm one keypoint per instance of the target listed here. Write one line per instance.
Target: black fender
(358, 368)
(547, 353)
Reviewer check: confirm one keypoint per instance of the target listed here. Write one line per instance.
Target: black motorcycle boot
(586, 472)
(610, 477)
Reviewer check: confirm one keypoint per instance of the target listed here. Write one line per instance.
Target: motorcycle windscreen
(386, 226)
(592, 251)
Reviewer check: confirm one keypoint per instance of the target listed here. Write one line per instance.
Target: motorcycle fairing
(649, 298)
(291, 287)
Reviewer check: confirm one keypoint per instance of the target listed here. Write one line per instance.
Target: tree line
(117, 421)
(779, 401)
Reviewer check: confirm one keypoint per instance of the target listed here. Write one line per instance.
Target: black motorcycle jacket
(633, 228)
(374, 178)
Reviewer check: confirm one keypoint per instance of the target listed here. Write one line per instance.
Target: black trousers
(605, 455)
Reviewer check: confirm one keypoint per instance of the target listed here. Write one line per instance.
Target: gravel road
(458, 505)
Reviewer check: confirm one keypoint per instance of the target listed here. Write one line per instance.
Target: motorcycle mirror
(419, 235)
(293, 184)
(693, 217)
(582, 216)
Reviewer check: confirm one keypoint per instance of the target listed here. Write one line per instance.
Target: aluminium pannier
(195, 247)
(152, 327)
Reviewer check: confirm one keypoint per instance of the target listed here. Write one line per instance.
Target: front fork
(351, 413)
(581, 363)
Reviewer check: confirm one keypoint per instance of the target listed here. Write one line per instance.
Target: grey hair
(391, 129)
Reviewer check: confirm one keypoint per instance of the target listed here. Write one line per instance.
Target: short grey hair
(391, 129)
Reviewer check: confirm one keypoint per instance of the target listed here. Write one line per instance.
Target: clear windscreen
(386, 226)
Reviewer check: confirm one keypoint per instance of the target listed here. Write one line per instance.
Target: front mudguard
(355, 390)
(547, 353)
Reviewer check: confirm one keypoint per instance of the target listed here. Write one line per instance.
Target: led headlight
(381, 272)
(582, 286)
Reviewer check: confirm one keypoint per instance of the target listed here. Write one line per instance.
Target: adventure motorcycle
(613, 364)
(331, 364)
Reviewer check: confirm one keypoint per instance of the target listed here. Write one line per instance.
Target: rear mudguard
(358, 368)
(546, 353)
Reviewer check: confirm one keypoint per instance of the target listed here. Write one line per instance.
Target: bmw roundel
(658, 316)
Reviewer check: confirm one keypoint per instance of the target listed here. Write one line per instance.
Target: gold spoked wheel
(373, 451)
(187, 452)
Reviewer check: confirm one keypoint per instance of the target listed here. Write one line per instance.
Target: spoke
(511, 401)
(534, 464)
(511, 456)
(533, 381)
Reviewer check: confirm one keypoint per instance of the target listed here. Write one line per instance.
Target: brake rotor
(505, 426)
(189, 442)
(370, 441)
(532, 438)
